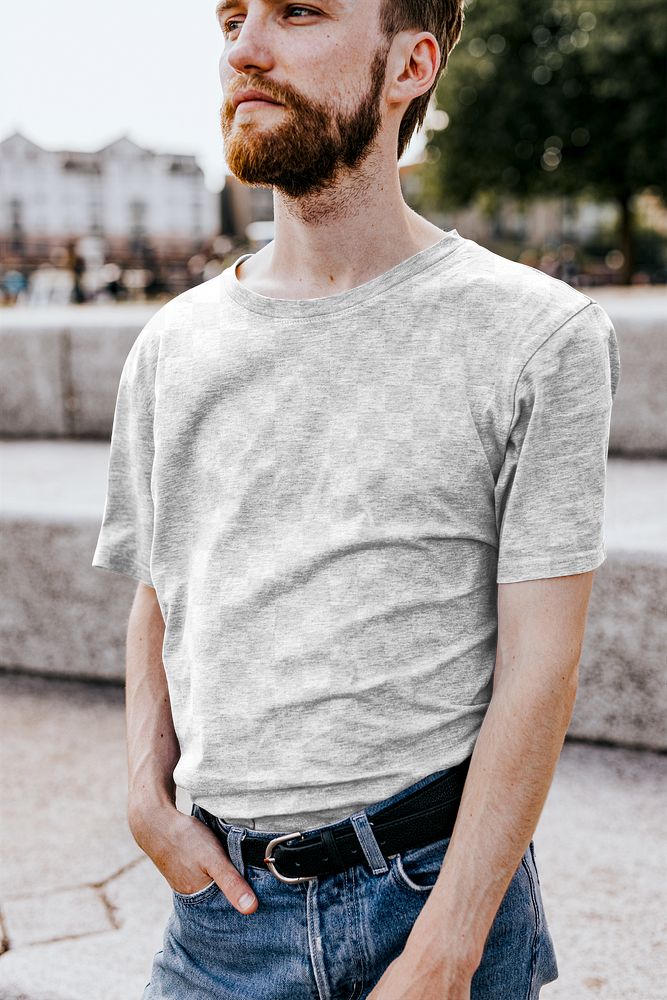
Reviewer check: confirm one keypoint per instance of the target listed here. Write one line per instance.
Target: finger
(234, 887)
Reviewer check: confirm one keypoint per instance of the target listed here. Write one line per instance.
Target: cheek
(223, 71)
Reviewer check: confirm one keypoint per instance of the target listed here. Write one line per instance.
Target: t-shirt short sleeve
(550, 493)
(125, 539)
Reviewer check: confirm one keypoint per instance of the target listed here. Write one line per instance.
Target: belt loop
(369, 844)
(235, 835)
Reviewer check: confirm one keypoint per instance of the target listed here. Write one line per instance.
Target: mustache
(274, 93)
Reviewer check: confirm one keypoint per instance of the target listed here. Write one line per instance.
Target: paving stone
(49, 916)
(64, 823)
(141, 900)
(601, 854)
(600, 849)
(105, 966)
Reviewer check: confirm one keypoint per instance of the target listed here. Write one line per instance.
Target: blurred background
(547, 144)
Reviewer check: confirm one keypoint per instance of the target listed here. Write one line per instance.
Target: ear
(412, 66)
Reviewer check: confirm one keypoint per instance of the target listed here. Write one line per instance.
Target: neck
(340, 237)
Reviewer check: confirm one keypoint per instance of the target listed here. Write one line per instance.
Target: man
(360, 477)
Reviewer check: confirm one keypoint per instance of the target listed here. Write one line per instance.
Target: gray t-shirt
(325, 494)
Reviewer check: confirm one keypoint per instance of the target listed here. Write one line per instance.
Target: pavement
(83, 910)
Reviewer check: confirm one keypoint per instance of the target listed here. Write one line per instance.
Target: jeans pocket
(546, 962)
(201, 894)
(417, 868)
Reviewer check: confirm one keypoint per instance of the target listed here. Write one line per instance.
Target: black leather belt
(423, 816)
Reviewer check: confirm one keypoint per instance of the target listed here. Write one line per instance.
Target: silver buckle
(269, 860)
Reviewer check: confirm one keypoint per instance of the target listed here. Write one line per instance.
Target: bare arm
(541, 626)
(184, 850)
(152, 746)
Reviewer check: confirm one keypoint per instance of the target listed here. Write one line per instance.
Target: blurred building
(247, 210)
(134, 201)
(244, 205)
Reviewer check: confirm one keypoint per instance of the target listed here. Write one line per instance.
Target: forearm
(152, 746)
(510, 773)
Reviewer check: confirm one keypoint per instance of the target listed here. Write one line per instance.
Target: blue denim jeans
(331, 938)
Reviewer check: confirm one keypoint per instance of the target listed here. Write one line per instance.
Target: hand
(188, 854)
(405, 980)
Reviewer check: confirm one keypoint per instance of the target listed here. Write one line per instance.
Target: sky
(77, 74)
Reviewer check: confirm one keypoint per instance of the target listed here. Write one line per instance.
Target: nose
(250, 51)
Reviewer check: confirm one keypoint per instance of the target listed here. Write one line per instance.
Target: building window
(137, 213)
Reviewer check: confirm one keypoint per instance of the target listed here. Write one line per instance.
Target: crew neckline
(300, 308)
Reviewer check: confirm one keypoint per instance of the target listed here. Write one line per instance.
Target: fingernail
(246, 900)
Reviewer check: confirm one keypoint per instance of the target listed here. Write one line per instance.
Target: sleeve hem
(125, 567)
(538, 569)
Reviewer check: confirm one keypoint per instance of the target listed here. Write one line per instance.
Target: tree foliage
(554, 97)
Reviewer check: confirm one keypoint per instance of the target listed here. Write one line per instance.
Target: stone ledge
(63, 617)
(62, 366)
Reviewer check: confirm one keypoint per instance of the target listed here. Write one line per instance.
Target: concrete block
(622, 694)
(97, 358)
(64, 617)
(61, 615)
(65, 384)
(33, 383)
(62, 365)
(59, 618)
(639, 417)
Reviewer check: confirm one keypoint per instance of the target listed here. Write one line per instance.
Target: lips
(251, 95)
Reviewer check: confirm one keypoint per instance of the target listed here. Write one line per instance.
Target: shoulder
(186, 305)
(179, 318)
(509, 310)
(516, 302)
(511, 322)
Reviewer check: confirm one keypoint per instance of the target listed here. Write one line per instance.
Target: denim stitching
(533, 950)
(399, 873)
(368, 843)
(194, 898)
(357, 989)
(314, 930)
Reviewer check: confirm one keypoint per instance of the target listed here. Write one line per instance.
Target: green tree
(555, 97)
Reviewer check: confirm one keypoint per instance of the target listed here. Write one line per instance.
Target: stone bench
(63, 617)
(61, 367)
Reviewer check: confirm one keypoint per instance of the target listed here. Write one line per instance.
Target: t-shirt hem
(539, 569)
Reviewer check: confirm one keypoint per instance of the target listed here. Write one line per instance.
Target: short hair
(444, 19)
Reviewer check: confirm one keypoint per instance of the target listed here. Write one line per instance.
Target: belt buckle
(269, 861)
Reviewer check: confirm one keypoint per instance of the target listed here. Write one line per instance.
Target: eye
(294, 6)
(230, 24)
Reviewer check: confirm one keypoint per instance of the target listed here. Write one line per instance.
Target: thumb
(234, 886)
